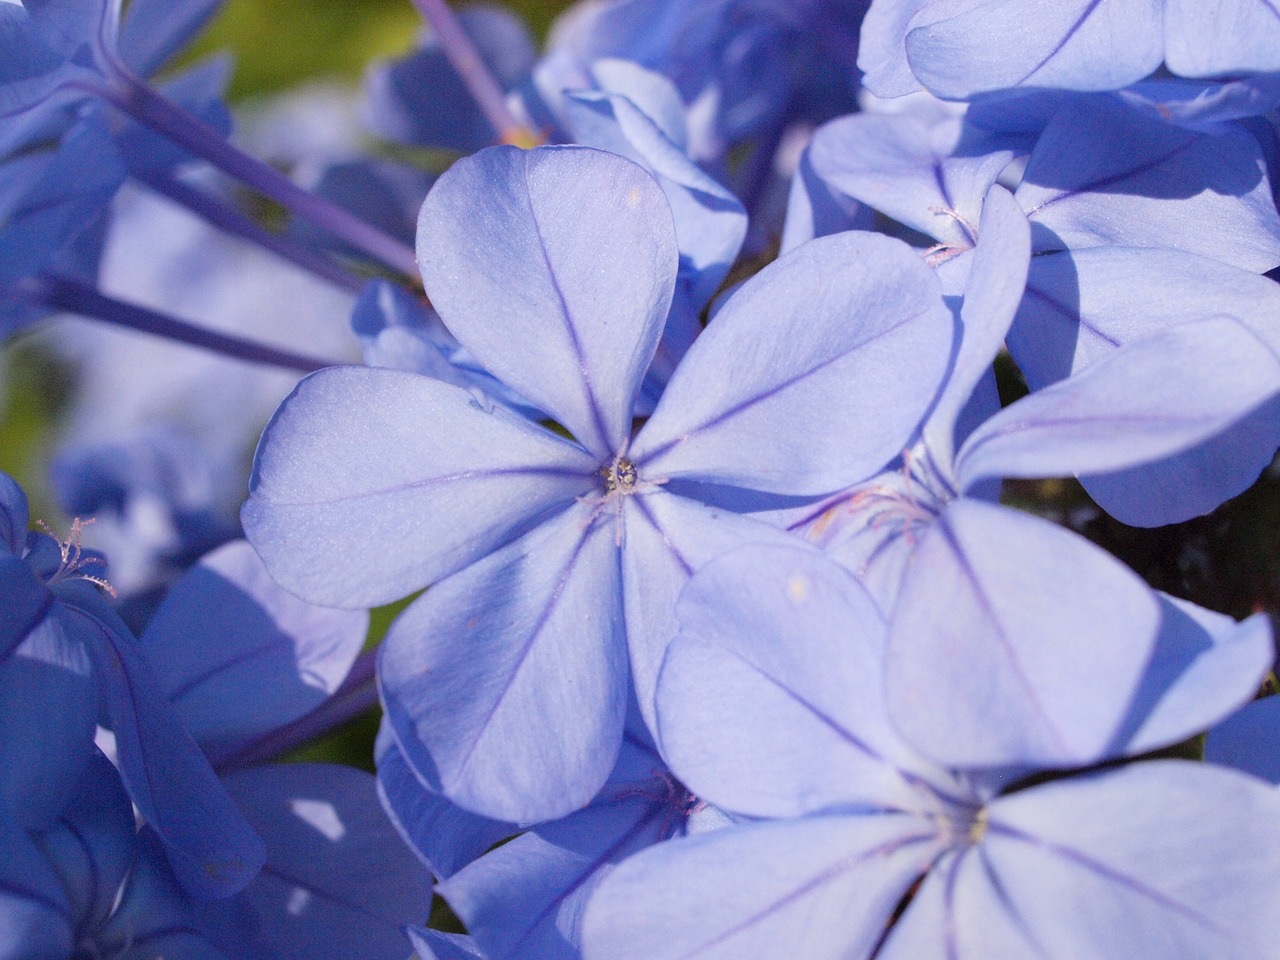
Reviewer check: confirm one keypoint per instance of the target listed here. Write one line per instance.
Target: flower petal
(573, 251)
(506, 684)
(849, 329)
(369, 484)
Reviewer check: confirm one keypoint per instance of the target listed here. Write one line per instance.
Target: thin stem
(72, 296)
(357, 694)
(232, 221)
(149, 108)
(475, 73)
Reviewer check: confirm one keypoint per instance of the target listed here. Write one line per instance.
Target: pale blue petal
(1156, 397)
(1015, 642)
(710, 222)
(370, 483)
(815, 209)
(969, 47)
(526, 899)
(1230, 36)
(1104, 174)
(554, 268)
(338, 881)
(1080, 306)
(992, 292)
(1162, 859)
(1193, 483)
(666, 538)
(882, 56)
(238, 656)
(506, 684)
(651, 92)
(821, 888)
(846, 330)
(769, 702)
(906, 168)
(1204, 666)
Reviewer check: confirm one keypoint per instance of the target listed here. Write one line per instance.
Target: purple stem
(149, 108)
(72, 296)
(234, 222)
(357, 694)
(475, 73)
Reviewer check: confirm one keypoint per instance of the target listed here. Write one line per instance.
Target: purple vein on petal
(592, 402)
(589, 869)
(1106, 872)
(431, 481)
(239, 659)
(1118, 177)
(649, 518)
(826, 876)
(997, 630)
(1066, 37)
(1069, 314)
(1002, 894)
(657, 452)
(552, 601)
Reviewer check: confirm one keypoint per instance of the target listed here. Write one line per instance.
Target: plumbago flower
(1191, 212)
(974, 588)
(856, 845)
(555, 562)
(62, 650)
(958, 48)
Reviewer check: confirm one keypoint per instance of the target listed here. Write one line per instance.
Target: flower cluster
(672, 397)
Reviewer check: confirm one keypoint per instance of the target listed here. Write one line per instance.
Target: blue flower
(62, 648)
(957, 49)
(555, 562)
(856, 845)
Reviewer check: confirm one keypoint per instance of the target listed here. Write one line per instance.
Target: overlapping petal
(791, 647)
(1038, 638)
(213, 851)
(1158, 396)
(738, 894)
(238, 656)
(338, 882)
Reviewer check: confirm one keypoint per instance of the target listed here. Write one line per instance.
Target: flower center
(75, 563)
(619, 476)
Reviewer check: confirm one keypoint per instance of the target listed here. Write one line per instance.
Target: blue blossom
(566, 555)
(957, 49)
(64, 648)
(855, 845)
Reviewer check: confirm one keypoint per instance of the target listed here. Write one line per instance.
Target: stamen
(620, 479)
(73, 560)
